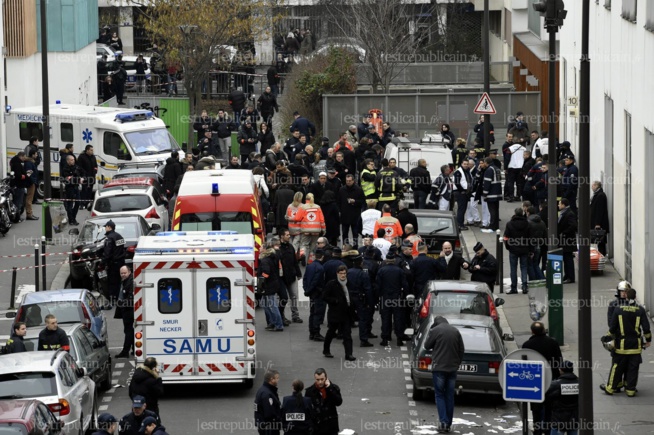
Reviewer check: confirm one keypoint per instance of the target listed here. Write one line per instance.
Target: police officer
(296, 411)
(562, 401)
(393, 285)
(72, 177)
(113, 258)
(107, 424)
(483, 266)
(628, 323)
(425, 269)
(131, 423)
(52, 338)
(313, 281)
(332, 262)
(125, 306)
(15, 343)
(360, 289)
(267, 409)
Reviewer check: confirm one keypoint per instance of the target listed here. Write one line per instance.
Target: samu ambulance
(194, 306)
(117, 135)
(220, 200)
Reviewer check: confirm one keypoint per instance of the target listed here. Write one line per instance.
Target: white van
(194, 306)
(408, 153)
(117, 135)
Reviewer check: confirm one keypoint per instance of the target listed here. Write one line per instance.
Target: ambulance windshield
(148, 142)
(241, 222)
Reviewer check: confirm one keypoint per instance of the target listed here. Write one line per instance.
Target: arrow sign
(524, 380)
(485, 105)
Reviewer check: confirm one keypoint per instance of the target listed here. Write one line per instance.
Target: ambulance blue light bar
(171, 233)
(140, 115)
(222, 233)
(214, 189)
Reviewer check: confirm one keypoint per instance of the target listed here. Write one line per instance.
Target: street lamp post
(486, 39)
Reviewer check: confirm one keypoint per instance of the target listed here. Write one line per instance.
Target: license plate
(102, 274)
(470, 368)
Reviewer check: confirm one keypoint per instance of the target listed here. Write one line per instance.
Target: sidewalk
(612, 414)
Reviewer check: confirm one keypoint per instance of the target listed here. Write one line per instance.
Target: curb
(60, 279)
(469, 239)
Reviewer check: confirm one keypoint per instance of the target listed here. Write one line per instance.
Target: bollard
(13, 288)
(500, 260)
(43, 276)
(36, 267)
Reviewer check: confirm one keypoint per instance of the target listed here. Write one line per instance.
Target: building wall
(72, 24)
(72, 78)
(621, 65)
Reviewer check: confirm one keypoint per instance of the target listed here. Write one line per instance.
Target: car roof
(35, 361)
(429, 212)
(465, 320)
(16, 410)
(471, 286)
(54, 296)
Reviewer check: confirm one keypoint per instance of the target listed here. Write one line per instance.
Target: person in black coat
(425, 269)
(247, 140)
(236, 100)
(350, 203)
(325, 398)
(108, 88)
(147, 383)
(305, 126)
(19, 181)
(332, 217)
(89, 165)
(567, 228)
(131, 423)
(599, 214)
(451, 262)
(15, 343)
(516, 240)
(267, 105)
(551, 351)
(203, 123)
(406, 217)
(172, 171)
(483, 266)
(319, 187)
(266, 138)
(562, 400)
(296, 411)
(420, 183)
(340, 315)
(393, 286)
(448, 137)
(267, 408)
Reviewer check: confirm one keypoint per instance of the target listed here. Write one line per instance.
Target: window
(90, 299)
(87, 348)
(533, 19)
(169, 295)
(29, 129)
(629, 10)
(649, 17)
(607, 4)
(114, 145)
(30, 384)
(495, 23)
(67, 132)
(90, 336)
(627, 198)
(219, 295)
(66, 377)
(65, 311)
(241, 222)
(508, 30)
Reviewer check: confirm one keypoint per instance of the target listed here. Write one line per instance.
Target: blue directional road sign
(524, 381)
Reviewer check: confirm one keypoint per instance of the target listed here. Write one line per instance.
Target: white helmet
(624, 286)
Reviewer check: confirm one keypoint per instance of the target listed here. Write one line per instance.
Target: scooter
(98, 272)
(7, 206)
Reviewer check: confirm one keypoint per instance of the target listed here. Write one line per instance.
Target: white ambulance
(117, 135)
(194, 306)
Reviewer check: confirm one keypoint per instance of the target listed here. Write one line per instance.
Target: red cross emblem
(311, 216)
(389, 231)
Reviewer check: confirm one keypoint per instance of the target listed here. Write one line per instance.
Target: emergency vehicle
(220, 200)
(194, 306)
(117, 135)
(407, 154)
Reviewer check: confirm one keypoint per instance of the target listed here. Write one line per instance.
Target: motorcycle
(92, 256)
(7, 207)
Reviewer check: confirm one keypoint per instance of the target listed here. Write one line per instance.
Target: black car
(131, 227)
(479, 369)
(442, 298)
(436, 227)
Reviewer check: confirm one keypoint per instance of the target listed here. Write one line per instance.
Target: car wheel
(417, 394)
(108, 380)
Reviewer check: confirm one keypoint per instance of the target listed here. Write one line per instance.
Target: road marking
(413, 413)
(103, 407)
(407, 370)
(24, 289)
(117, 373)
(405, 355)
(119, 365)
(106, 399)
(407, 378)
(412, 403)
(409, 386)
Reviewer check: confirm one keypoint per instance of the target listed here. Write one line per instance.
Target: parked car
(143, 196)
(21, 417)
(69, 306)
(92, 234)
(436, 227)
(442, 298)
(484, 351)
(55, 379)
(139, 170)
(85, 348)
(129, 61)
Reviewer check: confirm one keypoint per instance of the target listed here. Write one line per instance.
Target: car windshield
(463, 302)
(64, 311)
(241, 222)
(476, 339)
(12, 429)
(94, 231)
(442, 226)
(118, 203)
(28, 385)
(146, 142)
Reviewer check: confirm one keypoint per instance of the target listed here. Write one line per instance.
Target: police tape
(65, 199)
(52, 254)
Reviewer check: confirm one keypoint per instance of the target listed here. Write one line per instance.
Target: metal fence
(442, 73)
(417, 113)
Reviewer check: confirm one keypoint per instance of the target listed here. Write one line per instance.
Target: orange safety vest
(311, 219)
(293, 225)
(415, 239)
(391, 226)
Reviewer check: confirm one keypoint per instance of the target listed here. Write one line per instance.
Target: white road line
(409, 386)
(413, 413)
(107, 398)
(409, 395)
(412, 403)
(407, 378)
(117, 373)
(103, 407)
(119, 365)
(403, 348)
(407, 370)
(405, 355)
